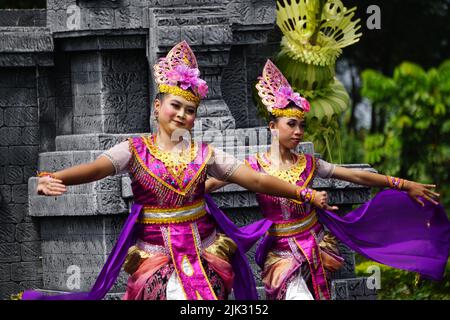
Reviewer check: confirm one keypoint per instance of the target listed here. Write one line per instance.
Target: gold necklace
(291, 174)
(175, 162)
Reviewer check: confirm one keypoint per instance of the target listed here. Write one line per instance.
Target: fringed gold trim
(148, 179)
(176, 167)
(291, 175)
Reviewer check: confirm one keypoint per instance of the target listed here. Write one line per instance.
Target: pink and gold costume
(179, 253)
(292, 264)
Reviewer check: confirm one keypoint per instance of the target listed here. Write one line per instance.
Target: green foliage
(401, 285)
(414, 142)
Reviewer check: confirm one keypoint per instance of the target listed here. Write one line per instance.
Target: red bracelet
(45, 174)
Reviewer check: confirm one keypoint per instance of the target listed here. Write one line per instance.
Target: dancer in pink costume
(407, 230)
(175, 243)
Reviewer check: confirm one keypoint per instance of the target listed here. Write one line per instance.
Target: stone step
(103, 197)
(258, 136)
(353, 289)
(342, 289)
(58, 160)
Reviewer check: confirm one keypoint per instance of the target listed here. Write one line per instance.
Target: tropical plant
(412, 139)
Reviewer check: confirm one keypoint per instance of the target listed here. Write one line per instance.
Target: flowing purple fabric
(110, 270)
(244, 285)
(394, 230)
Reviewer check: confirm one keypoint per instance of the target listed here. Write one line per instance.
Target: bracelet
(306, 195)
(45, 174)
(395, 183)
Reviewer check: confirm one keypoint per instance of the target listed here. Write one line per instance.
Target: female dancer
(296, 255)
(179, 248)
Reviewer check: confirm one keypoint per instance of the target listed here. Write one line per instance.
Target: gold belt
(293, 227)
(152, 215)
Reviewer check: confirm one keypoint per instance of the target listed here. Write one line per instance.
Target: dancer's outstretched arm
(414, 189)
(264, 183)
(55, 184)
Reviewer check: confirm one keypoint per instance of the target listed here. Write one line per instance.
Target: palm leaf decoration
(316, 31)
(314, 34)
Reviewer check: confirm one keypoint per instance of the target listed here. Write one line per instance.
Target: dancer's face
(290, 131)
(175, 112)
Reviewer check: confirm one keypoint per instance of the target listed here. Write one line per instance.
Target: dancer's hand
(416, 190)
(321, 201)
(50, 186)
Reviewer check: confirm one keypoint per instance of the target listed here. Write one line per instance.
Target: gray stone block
(167, 36)
(100, 18)
(10, 136)
(30, 135)
(7, 289)
(31, 284)
(64, 205)
(113, 104)
(20, 193)
(111, 203)
(129, 17)
(7, 232)
(47, 136)
(17, 97)
(29, 171)
(4, 156)
(12, 213)
(192, 34)
(92, 124)
(339, 290)
(59, 4)
(30, 251)
(9, 252)
(5, 194)
(47, 110)
(25, 39)
(27, 232)
(5, 273)
(109, 184)
(64, 124)
(217, 34)
(15, 117)
(26, 271)
(87, 105)
(22, 17)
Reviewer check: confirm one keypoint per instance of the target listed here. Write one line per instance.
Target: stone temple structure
(75, 79)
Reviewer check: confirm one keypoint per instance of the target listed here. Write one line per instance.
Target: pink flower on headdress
(286, 94)
(186, 78)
